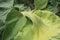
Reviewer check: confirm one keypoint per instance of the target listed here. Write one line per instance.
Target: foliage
(29, 20)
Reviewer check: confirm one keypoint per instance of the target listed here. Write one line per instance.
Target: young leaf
(43, 27)
(40, 4)
(53, 23)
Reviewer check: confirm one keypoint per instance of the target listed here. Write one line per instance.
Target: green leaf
(54, 2)
(44, 25)
(2, 25)
(22, 7)
(5, 7)
(53, 24)
(53, 9)
(53, 6)
(22, 35)
(6, 3)
(40, 4)
(14, 22)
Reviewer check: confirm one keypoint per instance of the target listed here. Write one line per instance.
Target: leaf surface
(14, 22)
(40, 4)
(44, 26)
